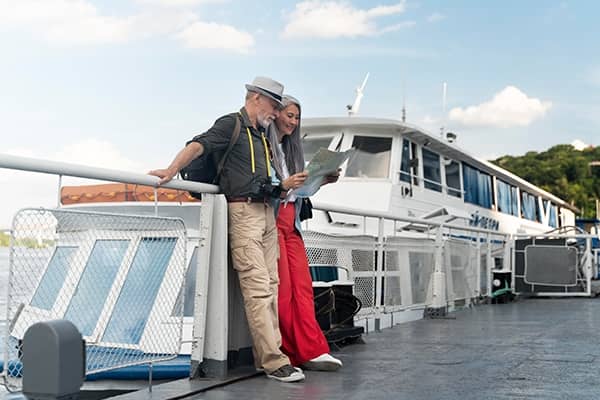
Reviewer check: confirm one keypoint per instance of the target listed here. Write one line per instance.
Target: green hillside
(563, 171)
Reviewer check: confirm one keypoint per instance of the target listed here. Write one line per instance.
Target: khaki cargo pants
(254, 251)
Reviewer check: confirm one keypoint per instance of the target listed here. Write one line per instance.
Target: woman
(302, 339)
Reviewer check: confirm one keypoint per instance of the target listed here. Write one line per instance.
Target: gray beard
(264, 123)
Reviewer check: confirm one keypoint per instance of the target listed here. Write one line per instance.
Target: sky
(124, 83)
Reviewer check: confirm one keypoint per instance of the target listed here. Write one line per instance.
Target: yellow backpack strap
(251, 150)
(267, 158)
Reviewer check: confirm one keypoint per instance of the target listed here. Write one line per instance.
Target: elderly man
(246, 182)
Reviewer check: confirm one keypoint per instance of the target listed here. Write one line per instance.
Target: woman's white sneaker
(325, 362)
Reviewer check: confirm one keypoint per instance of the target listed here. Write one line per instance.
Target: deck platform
(529, 349)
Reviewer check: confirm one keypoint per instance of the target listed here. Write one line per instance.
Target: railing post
(379, 268)
(155, 201)
(588, 264)
(437, 305)
(478, 262)
(488, 262)
(58, 200)
(202, 274)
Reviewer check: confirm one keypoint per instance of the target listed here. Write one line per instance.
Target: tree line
(563, 171)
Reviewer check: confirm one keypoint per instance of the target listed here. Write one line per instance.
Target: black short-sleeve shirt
(237, 178)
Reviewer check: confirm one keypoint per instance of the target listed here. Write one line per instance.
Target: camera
(268, 189)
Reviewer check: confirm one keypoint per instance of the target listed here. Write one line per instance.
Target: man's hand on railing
(165, 175)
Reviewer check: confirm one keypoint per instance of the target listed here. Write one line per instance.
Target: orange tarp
(119, 192)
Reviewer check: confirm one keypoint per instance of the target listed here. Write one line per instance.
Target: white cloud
(435, 17)
(28, 189)
(333, 19)
(202, 35)
(430, 122)
(579, 144)
(78, 22)
(96, 153)
(510, 107)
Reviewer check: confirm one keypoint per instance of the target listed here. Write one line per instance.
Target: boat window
(405, 161)
(507, 198)
(311, 145)
(432, 170)
(477, 186)
(552, 219)
(550, 209)
(95, 283)
(146, 274)
(529, 207)
(371, 159)
(453, 178)
(190, 286)
(53, 278)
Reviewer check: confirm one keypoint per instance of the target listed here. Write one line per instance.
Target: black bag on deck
(208, 167)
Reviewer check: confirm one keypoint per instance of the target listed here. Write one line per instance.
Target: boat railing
(118, 277)
(560, 263)
(399, 266)
(596, 262)
(415, 180)
(392, 267)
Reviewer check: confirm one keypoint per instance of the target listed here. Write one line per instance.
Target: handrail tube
(394, 217)
(106, 174)
(553, 235)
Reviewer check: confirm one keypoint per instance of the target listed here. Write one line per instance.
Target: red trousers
(301, 336)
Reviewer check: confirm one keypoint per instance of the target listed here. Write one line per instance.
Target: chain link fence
(357, 254)
(407, 267)
(116, 277)
(460, 259)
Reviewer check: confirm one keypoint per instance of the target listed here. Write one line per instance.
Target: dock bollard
(53, 361)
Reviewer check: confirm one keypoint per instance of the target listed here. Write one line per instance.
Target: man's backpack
(208, 167)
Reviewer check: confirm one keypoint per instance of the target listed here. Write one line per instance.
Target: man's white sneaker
(287, 373)
(325, 362)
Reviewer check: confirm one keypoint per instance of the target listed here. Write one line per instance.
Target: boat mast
(444, 90)
(353, 109)
(403, 102)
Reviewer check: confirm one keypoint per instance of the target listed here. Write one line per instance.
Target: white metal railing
(596, 263)
(116, 277)
(160, 339)
(461, 255)
(112, 175)
(586, 258)
(394, 265)
(444, 188)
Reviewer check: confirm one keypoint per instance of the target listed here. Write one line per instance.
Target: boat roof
(121, 192)
(433, 142)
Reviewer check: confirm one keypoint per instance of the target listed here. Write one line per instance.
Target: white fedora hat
(266, 86)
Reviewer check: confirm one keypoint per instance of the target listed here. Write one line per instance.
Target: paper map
(324, 162)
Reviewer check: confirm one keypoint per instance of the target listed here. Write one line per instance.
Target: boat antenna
(444, 91)
(353, 109)
(403, 101)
